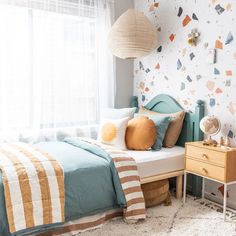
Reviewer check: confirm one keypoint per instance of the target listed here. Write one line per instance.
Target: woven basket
(156, 193)
(132, 35)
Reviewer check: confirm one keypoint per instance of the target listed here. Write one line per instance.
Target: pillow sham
(112, 113)
(161, 125)
(174, 128)
(112, 132)
(140, 133)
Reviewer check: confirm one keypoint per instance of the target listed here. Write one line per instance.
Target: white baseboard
(219, 200)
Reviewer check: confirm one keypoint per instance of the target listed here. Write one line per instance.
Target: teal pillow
(161, 124)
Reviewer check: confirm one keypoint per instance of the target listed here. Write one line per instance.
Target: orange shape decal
(229, 72)
(218, 90)
(218, 44)
(172, 37)
(186, 20)
(141, 85)
(157, 66)
(229, 6)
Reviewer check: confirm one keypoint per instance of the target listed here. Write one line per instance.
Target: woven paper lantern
(132, 35)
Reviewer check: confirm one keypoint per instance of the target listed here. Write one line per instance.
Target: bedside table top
(219, 149)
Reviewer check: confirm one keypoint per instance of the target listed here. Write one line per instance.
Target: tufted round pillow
(140, 133)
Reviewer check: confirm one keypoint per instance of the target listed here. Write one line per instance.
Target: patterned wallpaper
(187, 72)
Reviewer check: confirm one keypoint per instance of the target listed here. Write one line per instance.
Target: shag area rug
(196, 217)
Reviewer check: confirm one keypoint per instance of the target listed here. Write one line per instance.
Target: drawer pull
(204, 156)
(203, 170)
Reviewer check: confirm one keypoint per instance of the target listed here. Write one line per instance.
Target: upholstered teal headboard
(164, 103)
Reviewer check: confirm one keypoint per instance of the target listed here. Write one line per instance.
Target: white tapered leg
(185, 186)
(225, 201)
(203, 187)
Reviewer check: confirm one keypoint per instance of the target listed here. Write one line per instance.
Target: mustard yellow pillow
(140, 133)
(174, 128)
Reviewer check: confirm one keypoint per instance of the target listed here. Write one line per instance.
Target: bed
(92, 173)
(86, 175)
(164, 103)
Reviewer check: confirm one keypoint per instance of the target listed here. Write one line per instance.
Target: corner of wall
(124, 68)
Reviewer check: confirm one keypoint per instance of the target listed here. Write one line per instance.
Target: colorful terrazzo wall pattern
(187, 72)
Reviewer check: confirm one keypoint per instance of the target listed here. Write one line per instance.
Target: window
(52, 64)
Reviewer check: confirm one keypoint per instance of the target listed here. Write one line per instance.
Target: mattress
(159, 162)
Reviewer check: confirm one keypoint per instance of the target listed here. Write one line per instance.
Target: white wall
(124, 68)
(194, 78)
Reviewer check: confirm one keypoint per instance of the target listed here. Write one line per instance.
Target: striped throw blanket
(130, 182)
(33, 186)
(75, 227)
(129, 178)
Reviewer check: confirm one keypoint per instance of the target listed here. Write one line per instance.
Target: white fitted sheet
(159, 162)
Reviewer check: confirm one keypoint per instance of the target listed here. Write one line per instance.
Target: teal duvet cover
(91, 182)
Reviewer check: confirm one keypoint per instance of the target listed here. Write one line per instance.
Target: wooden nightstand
(212, 163)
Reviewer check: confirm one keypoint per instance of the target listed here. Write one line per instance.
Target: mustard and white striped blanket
(33, 186)
(129, 178)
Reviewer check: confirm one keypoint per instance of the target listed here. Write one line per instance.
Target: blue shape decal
(189, 78)
(180, 11)
(143, 98)
(199, 77)
(216, 71)
(194, 16)
(229, 38)
(230, 134)
(141, 67)
(191, 55)
(179, 64)
(228, 83)
(212, 102)
(219, 9)
(159, 49)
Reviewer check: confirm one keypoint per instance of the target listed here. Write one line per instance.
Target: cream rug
(196, 217)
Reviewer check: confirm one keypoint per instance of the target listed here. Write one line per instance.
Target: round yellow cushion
(140, 133)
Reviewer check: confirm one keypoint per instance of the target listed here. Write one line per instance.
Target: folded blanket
(129, 179)
(33, 186)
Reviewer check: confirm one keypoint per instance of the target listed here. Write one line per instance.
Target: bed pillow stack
(174, 129)
(160, 127)
(147, 130)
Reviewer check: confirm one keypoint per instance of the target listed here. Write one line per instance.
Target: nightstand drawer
(206, 155)
(205, 169)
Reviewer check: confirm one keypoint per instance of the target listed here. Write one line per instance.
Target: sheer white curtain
(55, 69)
